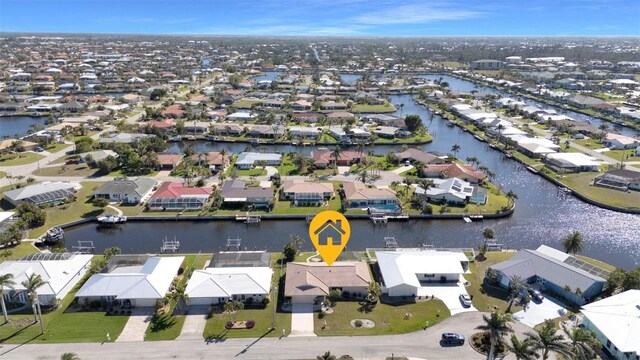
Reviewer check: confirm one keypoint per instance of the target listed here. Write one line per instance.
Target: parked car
(536, 295)
(38, 149)
(452, 338)
(465, 300)
(72, 162)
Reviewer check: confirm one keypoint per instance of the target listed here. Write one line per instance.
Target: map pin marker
(329, 232)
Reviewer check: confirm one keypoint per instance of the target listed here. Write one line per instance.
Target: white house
(572, 162)
(140, 285)
(247, 160)
(60, 272)
(410, 272)
(127, 191)
(219, 285)
(617, 141)
(616, 322)
(453, 191)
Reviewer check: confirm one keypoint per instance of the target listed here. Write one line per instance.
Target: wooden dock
(248, 219)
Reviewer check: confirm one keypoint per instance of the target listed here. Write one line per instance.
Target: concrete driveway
(402, 169)
(194, 323)
(302, 320)
(449, 294)
(136, 325)
(537, 313)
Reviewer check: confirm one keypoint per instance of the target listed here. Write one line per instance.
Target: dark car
(72, 162)
(536, 295)
(452, 338)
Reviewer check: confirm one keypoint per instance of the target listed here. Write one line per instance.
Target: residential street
(423, 344)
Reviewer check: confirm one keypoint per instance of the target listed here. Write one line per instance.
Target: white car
(465, 300)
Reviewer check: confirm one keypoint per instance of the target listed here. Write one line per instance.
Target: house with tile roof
(175, 196)
(303, 193)
(310, 283)
(358, 195)
(465, 172)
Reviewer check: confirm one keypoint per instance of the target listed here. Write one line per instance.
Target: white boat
(111, 219)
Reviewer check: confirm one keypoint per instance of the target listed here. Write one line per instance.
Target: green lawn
(589, 143)
(121, 173)
(263, 317)
(61, 327)
(581, 182)
(19, 159)
(326, 138)
(80, 208)
(246, 103)
(413, 139)
(619, 154)
(23, 249)
(66, 170)
(2, 174)
(168, 327)
(484, 297)
(56, 147)
(388, 319)
(366, 108)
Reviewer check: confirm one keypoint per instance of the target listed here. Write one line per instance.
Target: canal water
(17, 126)
(543, 214)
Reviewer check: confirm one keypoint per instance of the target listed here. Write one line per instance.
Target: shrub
(228, 325)
(95, 304)
(249, 301)
(100, 202)
(250, 324)
(265, 301)
(358, 323)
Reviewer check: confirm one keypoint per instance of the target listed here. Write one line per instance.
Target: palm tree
(363, 176)
(326, 356)
(547, 339)
(419, 166)
(31, 285)
(69, 356)
(583, 343)
(522, 349)
(336, 153)
(497, 325)
(5, 280)
(500, 128)
(455, 149)
(511, 196)
(514, 288)
(573, 243)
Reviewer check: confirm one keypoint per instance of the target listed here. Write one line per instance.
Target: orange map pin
(329, 232)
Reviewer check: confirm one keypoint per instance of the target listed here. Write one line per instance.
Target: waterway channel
(543, 214)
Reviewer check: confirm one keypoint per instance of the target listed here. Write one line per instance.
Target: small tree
(100, 202)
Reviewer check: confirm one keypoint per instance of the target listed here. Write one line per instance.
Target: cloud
(415, 14)
(304, 30)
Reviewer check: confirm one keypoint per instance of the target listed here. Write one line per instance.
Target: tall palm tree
(514, 289)
(5, 281)
(573, 243)
(511, 195)
(336, 153)
(547, 339)
(31, 285)
(455, 149)
(583, 343)
(498, 326)
(522, 349)
(69, 356)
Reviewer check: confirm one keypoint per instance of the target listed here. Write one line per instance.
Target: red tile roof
(177, 190)
(455, 170)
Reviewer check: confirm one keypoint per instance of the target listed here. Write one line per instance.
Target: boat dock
(249, 219)
(170, 246)
(233, 243)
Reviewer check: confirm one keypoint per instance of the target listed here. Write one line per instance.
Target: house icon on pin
(330, 233)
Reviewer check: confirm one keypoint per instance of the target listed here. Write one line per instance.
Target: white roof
(56, 273)
(554, 253)
(151, 281)
(401, 267)
(252, 157)
(4, 215)
(37, 189)
(538, 141)
(229, 281)
(618, 319)
(577, 159)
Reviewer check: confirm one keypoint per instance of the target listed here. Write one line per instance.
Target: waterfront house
(411, 272)
(247, 160)
(125, 138)
(554, 271)
(169, 161)
(306, 117)
(240, 259)
(340, 116)
(217, 285)
(16, 144)
(130, 285)
(339, 133)
(571, 162)
(311, 283)
(619, 179)
(240, 117)
(465, 172)
(235, 192)
(358, 195)
(616, 322)
(304, 132)
(175, 196)
(453, 191)
(324, 158)
(620, 142)
(303, 193)
(128, 191)
(59, 271)
(486, 64)
(266, 131)
(42, 194)
(412, 155)
(213, 159)
(226, 129)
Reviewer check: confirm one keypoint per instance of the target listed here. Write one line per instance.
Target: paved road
(424, 344)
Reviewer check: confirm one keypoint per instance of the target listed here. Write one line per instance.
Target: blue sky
(325, 17)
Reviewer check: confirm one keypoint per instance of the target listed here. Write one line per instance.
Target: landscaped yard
(619, 154)
(2, 174)
(19, 158)
(485, 298)
(388, 319)
(64, 327)
(66, 170)
(263, 318)
(78, 209)
(366, 108)
(581, 182)
(54, 148)
(25, 248)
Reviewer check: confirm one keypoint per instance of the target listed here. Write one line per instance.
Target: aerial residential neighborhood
(164, 169)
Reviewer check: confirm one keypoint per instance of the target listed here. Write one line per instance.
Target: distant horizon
(317, 18)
